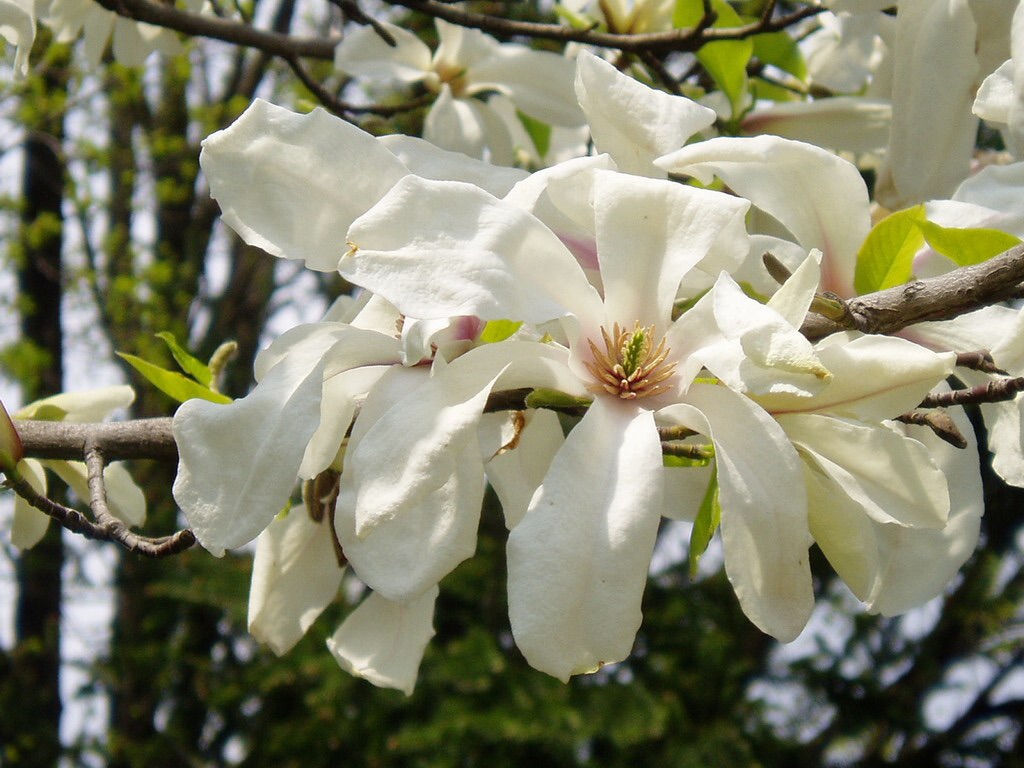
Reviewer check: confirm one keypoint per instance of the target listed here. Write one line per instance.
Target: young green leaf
(172, 383)
(538, 131)
(886, 257)
(190, 365)
(725, 61)
(499, 330)
(780, 50)
(969, 245)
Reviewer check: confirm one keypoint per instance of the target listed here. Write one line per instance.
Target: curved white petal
(383, 641)
(650, 233)
(935, 76)
(444, 249)
(18, 27)
(843, 124)
(539, 82)
(894, 478)
(431, 162)
(631, 122)
(295, 575)
(133, 41)
(578, 560)
(873, 378)
(82, 407)
(291, 184)
(764, 508)
(918, 564)
(457, 125)
(364, 53)
(29, 524)
(460, 48)
(820, 198)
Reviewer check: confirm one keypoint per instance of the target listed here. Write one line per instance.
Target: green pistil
(634, 351)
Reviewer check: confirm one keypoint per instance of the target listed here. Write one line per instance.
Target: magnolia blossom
(18, 27)
(626, 17)
(579, 556)
(1000, 99)
(132, 40)
(124, 497)
(467, 64)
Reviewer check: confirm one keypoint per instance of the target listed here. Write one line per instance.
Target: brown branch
(997, 391)
(939, 422)
(230, 31)
(935, 298)
(139, 439)
(980, 360)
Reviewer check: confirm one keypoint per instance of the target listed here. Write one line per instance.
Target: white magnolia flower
(18, 27)
(124, 498)
(578, 558)
(467, 64)
(133, 41)
(627, 17)
(1000, 99)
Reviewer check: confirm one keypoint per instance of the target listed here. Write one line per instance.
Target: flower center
(631, 365)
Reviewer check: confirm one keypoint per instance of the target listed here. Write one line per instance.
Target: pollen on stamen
(630, 366)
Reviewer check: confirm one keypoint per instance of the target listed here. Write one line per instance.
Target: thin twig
(996, 391)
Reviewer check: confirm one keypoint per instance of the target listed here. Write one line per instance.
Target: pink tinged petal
(842, 124)
(631, 122)
(291, 184)
(442, 249)
(820, 198)
(364, 53)
(238, 463)
(383, 641)
(650, 233)
(517, 472)
(295, 575)
(29, 524)
(935, 77)
(578, 560)
(918, 564)
(431, 162)
(874, 378)
(894, 478)
(764, 509)
(540, 83)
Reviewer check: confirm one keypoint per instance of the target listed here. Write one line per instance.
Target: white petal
(124, 498)
(456, 125)
(431, 162)
(383, 641)
(820, 198)
(893, 477)
(995, 96)
(238, 463)
(874, 378)
(843, 124)
(516, 474)
(764, 509)
(539, 82)
(794, 297)
(685, 488)
(295, 575)
(29, 524)
(578, 560)
(291, 184)
(364, 53)
(934, 81)
(444, 249)
(918, 564)
(82, 407)
(18, 27)
(650, 233)
(631, 122)
(459, 48)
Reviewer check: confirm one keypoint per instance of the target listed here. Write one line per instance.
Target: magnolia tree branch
(935, 298)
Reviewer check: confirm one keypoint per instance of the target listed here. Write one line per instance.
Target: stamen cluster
(630, 366)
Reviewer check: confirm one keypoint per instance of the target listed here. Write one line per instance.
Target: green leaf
(539, 132)
(172, 383)
(780, 50)
(969, 245)
(886, 257)
(704, 527)
(190, 365)
(499, 330)
(725, 61)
